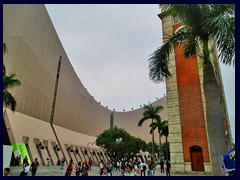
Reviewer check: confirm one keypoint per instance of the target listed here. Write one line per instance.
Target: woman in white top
(26, 168)
(143, 167)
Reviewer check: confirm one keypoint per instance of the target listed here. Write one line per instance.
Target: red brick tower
(188, 135)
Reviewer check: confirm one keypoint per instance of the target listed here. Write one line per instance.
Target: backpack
(144, 167)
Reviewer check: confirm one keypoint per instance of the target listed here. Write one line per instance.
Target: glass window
(176, 20)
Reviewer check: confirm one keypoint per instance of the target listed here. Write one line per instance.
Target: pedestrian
(78, 168)
(6, 171)
(90, 163)
(48, 161)
(101, 165)
(110, 167)
(129, 170)
(106, 171)
(25, 160)
(62, 163)
(118, 165)
(34, 167)
(150, 168)
(162, 166)
(168, 168)
(85, 168)
(69, 169)
(20, 159)
(143, 168)
(123, 171)
(17, 161)
(135, 167)
(26, 168)
(71, 160)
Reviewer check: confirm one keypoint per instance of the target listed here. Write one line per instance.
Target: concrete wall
(33, 55)
(129, 120)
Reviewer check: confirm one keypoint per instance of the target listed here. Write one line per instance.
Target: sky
(108, 47)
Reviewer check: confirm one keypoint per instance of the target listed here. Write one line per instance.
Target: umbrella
(228, 160)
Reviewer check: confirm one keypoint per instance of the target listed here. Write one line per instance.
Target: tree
(203, 23)
(8, 83)
(165, 133)
(157, 125)
(8, 99)
(149, 147)
(118, 143)
(151, 112)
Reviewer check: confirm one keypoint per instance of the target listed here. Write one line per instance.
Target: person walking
(85, 169)
(25, 160)
(143, 168)
(150, 168)
(162, 166)
(62, 163)
(26, 168)
(48, 161)
(90, 163)
(78, 168)
(17, 161)
(101, 165)
(34, 167)
(168, 167)
(69, 169)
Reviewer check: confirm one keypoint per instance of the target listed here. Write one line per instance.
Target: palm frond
(222, 31)
(191, 47)
(9, 100)
(189, 14)
(158, 61)
(153, 126)
(141, 121)
(9, 82)
(165, 131)
(222, 10)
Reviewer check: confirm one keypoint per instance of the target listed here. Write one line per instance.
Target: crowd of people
(124, 167)
(133, 167)
(26, 166)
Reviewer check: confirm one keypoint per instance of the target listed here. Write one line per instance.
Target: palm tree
(8, 99)
(8, 82)
(203, 23)
(151, 112)
(157, 125)
(165, 132)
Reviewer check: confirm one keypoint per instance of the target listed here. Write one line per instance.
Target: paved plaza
(56, 171)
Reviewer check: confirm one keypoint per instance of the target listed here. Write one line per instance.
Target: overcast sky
(108, 46)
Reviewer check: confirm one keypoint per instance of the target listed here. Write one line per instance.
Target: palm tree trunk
(206, 51)
(215, 121)
(160, 144)
(153, 144)
(166, 149)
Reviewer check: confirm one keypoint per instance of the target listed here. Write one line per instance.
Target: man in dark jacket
(34, 167)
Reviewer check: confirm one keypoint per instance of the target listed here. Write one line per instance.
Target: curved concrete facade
(34, 51)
